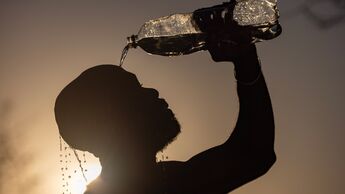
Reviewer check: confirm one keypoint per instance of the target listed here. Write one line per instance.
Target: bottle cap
(132, 41)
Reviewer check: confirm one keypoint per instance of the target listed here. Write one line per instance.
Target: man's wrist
(246, 54)
(247, 69)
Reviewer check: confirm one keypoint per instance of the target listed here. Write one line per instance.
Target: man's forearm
(254, 130)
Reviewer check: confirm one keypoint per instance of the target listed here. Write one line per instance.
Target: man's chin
(176, 125)
(174, 122)
(173, 130)
(168, 127)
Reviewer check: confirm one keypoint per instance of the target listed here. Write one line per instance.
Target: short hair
(90, 107)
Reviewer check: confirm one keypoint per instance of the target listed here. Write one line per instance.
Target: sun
(78, 169)
(78, 184)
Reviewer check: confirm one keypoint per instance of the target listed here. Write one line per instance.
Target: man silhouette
(106, 111)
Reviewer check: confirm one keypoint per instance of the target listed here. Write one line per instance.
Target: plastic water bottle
(181, 34)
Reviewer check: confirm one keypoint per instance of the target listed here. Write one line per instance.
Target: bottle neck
(132, 41)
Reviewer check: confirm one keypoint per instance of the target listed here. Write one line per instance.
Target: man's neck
(131, 168)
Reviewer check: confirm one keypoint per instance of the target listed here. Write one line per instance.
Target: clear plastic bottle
(181, 34)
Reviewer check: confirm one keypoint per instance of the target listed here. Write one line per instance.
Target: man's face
(106, 106)
(151, 114)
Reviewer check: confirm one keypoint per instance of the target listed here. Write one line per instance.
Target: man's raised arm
(248, 153)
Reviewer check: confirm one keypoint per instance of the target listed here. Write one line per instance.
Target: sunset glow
(78, 184)
(47, 44)
(78, 170)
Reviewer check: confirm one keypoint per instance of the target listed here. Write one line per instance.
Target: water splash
(124, 53)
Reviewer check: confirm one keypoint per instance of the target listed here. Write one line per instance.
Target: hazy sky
(45, 44)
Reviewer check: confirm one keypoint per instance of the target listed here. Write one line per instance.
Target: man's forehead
(112, 73)
(133, 76)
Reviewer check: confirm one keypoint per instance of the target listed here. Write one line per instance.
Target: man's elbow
(265, 164)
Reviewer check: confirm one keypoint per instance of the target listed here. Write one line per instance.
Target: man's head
(105, 109)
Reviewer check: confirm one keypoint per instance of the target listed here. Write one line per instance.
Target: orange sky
(46, 44)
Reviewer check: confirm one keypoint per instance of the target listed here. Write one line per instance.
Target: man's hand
(222, 49)
(244, 57)
(226, 40)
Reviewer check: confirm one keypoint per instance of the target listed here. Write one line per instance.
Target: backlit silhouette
(106, 111)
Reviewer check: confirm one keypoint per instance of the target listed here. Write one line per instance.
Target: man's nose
(152, 92)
